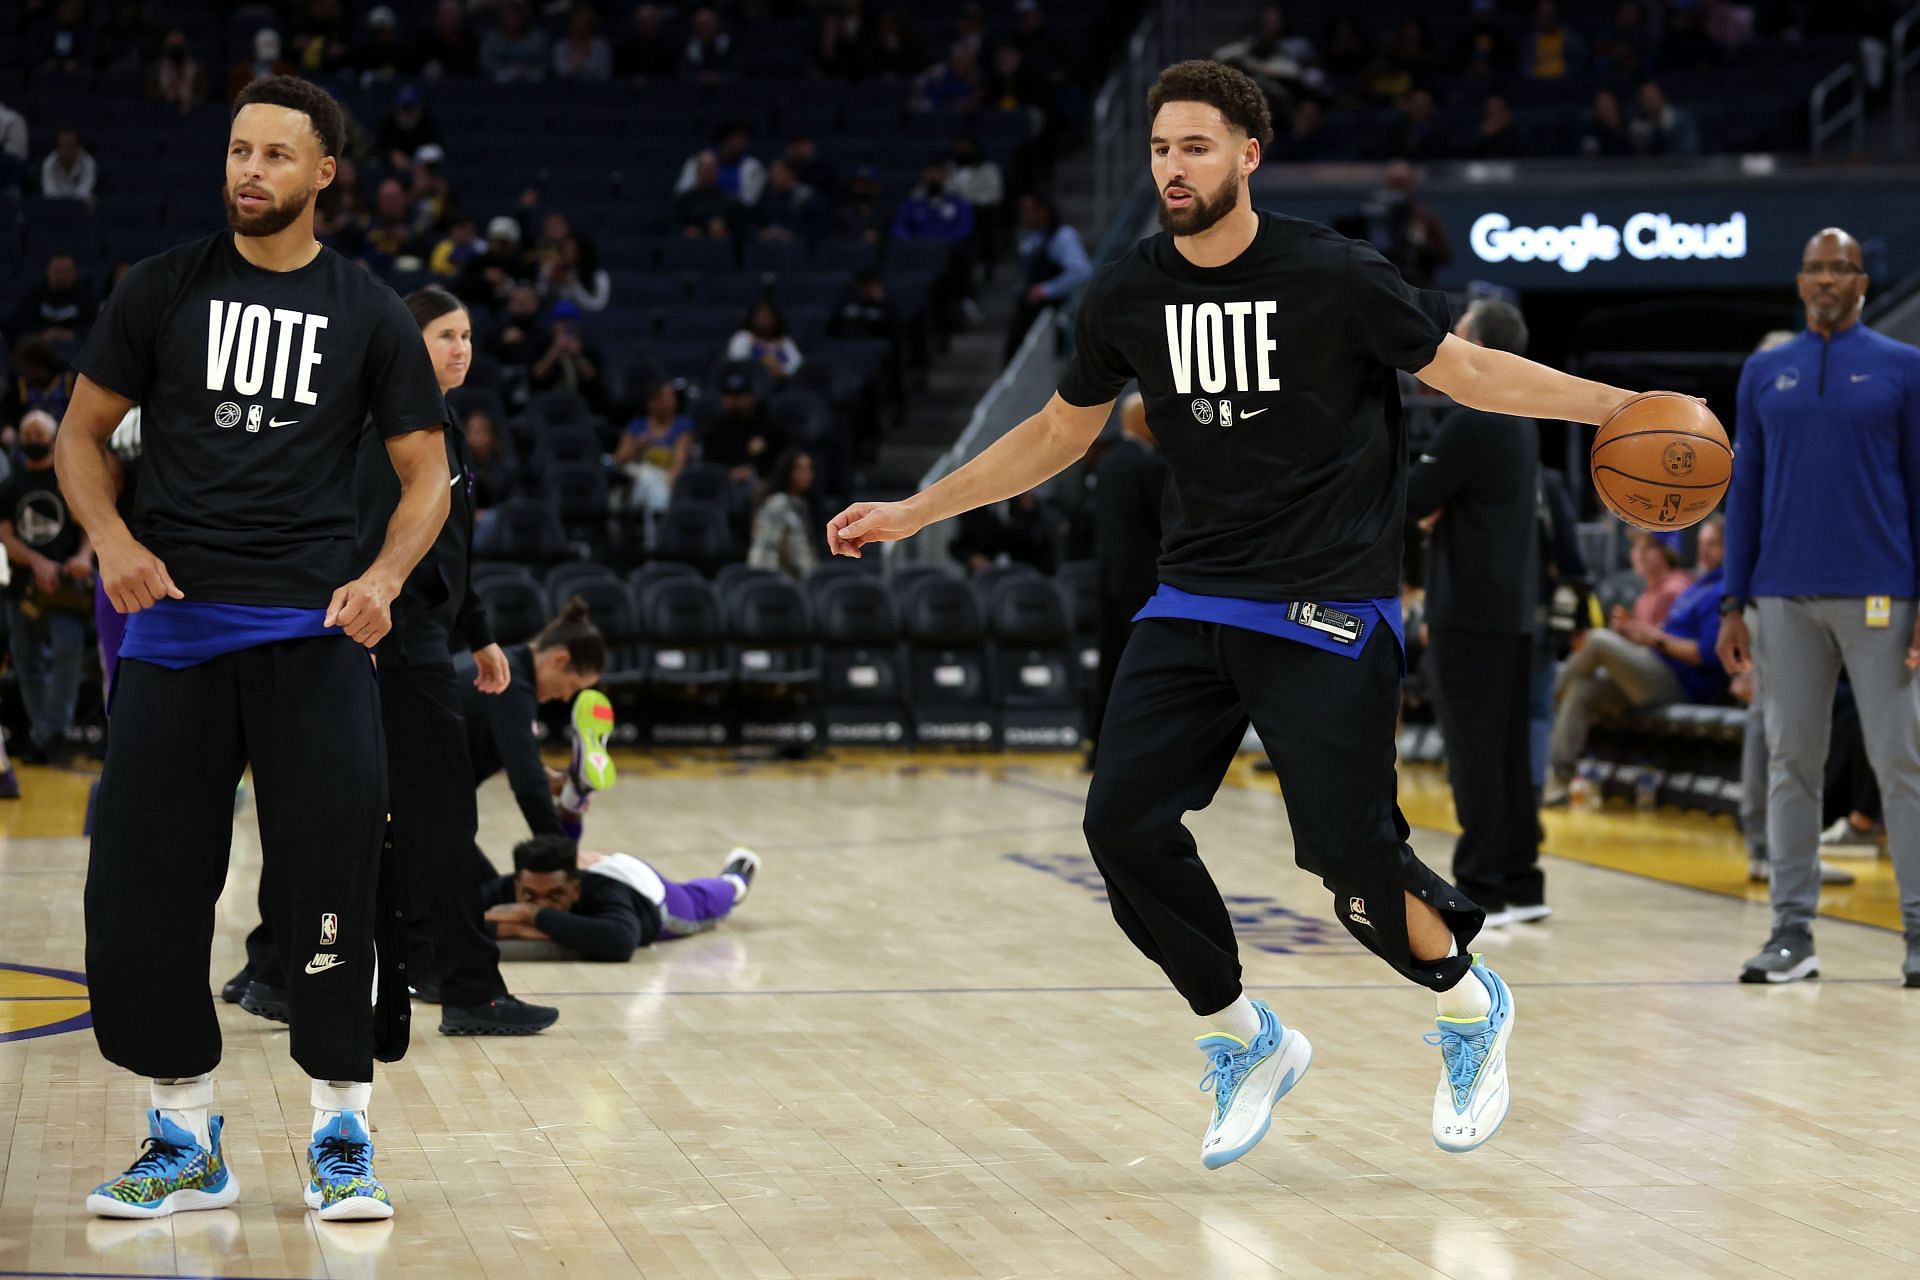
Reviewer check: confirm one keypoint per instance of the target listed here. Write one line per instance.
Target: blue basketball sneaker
(340, 1181)
(1473, 1097)
(175, 1173)
(1247, 1079)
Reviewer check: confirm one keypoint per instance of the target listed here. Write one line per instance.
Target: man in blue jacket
(1823, 540)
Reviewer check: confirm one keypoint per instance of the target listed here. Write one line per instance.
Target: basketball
(1662, 461)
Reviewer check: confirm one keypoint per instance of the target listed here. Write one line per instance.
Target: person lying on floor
(606, 906)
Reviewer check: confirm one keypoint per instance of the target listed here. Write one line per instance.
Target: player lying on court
(606, 906)
(1265, 347)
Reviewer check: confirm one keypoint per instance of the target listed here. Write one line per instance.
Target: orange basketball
(1662, 461)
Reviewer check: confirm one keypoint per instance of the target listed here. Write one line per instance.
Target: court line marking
(1252, 986)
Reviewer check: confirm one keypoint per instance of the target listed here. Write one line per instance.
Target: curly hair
(1218, 85)
(323, 113)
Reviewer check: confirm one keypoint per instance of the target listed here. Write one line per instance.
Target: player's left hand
(363, 609)
(513, 913)
(494, 675)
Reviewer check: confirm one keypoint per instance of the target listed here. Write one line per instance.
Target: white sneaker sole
(178, 1202)
(752, 859)
(1282, 1072)
(1501, 1099)
(352, 1209)
(1808, 968)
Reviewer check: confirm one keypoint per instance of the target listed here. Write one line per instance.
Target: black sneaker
(263, 1001)
(504, 1016)
(236, 987)
(742, 864)
(426, 991)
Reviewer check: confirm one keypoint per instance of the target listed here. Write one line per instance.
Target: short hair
(1494, 323)
(1668, 551)
(1220, 86)
(323, 113)
(573, 631)
(545, 854)
(432, 302)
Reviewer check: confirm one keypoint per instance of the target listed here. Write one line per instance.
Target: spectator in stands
(655, 448)
(320, 39)
(1023, 530)
(431, 197)
(897, 51)
(1477, 484)
(14, 141)
(515, 52)
(618, 906)
(1413, 134)
(646, 53)
(176, 77)
(41, 380)
(59, 309)
(803, 157)
(1663, 581)
(407, 128)
(1661, 129)
(1728, 25)
(1405, 58)
(574, 274)
(448, 51)
(1053, 265)
(68, 173)
(1554, 51)
(522, 338)
(458, 247)
(1639, 664)
(492, 469)
(952, 84)
(743, 439)
(846, 44)
(932, 212)
(383, 55)
(783, 524)
(789, 209)
(1626, 49)
(975, 178)
(554, 230)
(1129, 482)
(266, 61)
(762, 339)
(488, 278)
(1685, 45)
(866, 311)
(1406, 230)
(709, 53)
(585, 53)
(64, 43)
(1279, 62)
(1497, 139)
(703, 208)
(1305, 137)
(1348, 50)
(1486, 51)
(862, 216)
(1014, 85)
(739, 174)
(570, 362)
(52, 592)
(391, 234)
(1604, 131)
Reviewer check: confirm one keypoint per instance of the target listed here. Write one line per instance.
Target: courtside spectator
(52, 591)
(1638, 664)
(709, 52)
(762, 339)
(788, 209)
(1604, 132)
(69, 173)
(654, 449)
(783, 526)
(738, 174)
(646, 53)
(1554, 51)
(266, 61)
(584, 54)
(516, 50)
(176, 76)
(1662, 580)
(449, 49)
(703, 208)
(59, 309)
(1053, 264)
(1661, 129)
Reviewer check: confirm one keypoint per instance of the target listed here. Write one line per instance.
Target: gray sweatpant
(1799, 647)
(1611, 675)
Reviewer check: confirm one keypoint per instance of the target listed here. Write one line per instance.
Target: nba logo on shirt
(329, 929)
(1226, 413)
(253, 418)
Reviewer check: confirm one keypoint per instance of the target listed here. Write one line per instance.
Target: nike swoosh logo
(322, 962)
(275, 422)
(1860, 377)
(455, 482)
(1253, 413)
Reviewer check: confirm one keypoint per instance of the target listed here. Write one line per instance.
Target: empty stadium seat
(530, 530)
(562, 578)
(516, 609)
(1034, 662)
(862, 661)
(695, 533)
(1079, 584)
(776, 662)
(684, 656)
(658, 571)
(950, 682)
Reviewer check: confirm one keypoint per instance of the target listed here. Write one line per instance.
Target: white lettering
(1647, 237)
(1263, 346)
(1180, 345)
(1209, 348)
(250, 359)
(283, 348)
(221, 323)
(1239, 311)
(309, 360)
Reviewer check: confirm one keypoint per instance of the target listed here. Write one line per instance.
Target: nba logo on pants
(1357, 911)
(329, 929)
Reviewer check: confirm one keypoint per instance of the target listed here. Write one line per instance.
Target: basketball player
(1265, 347)
(256, 356)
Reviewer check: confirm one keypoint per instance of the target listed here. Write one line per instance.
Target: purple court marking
(78, 1022)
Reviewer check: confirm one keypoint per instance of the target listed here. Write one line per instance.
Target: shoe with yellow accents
(340, 1182)
(592, 725)
(1473, 1098)
(1247, 1079)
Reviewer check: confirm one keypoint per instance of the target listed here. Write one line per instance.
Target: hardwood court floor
(922, 1049)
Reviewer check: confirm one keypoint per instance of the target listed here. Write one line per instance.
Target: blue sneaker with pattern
(340, 1181)
(175, 1173)
(1246, 1080)
(1473, 1098)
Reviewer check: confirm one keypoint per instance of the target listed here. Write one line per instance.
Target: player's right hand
(134, 577)
(866, 522)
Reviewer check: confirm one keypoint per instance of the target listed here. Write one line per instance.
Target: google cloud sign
(1648, 237)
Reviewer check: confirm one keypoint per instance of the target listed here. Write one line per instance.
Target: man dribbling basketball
(1265, 347)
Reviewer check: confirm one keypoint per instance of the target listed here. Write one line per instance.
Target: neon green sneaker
(592, 725)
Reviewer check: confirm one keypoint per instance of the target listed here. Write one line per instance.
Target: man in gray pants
(1754, 771)
(1823, 537)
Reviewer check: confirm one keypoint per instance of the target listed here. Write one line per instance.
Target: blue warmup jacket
(1826, 470)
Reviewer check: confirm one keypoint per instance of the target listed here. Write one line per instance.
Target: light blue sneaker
(340, 1181)
(175, 1173)
(1473, 1098)
(1247, 1079)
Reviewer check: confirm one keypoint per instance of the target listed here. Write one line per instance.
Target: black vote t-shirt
(253, 387)
(1269, 385)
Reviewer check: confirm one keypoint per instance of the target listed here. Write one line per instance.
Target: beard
(1202, 213)
(269, 221)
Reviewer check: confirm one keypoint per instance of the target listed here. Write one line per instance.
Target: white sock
(186, 1101)
(1239, 1020)
(1469, 998)
(739, 884)
(331, 1097)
